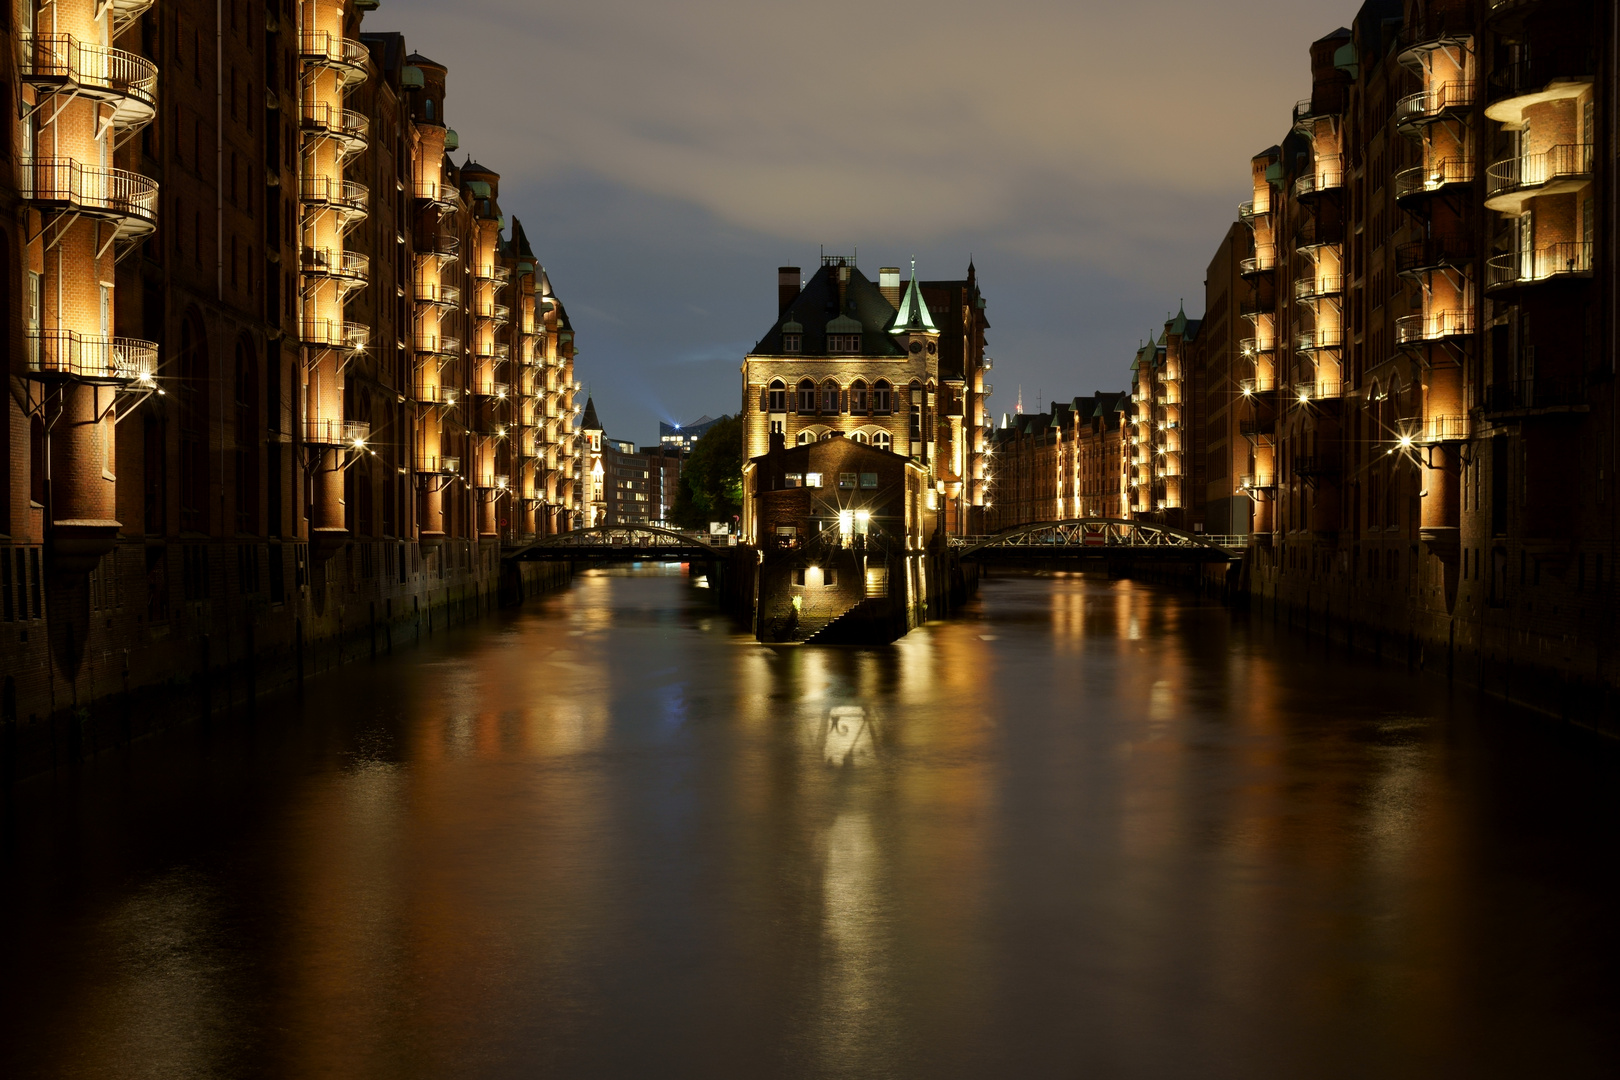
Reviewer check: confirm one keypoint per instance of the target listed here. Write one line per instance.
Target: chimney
(787, 287)
(778, 441)
(889, 285)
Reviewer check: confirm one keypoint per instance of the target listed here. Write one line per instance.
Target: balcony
(1314, 234)
(437, 344)
(1557, 170)
(1436, 103)
(1308, 111)
(350, 59)
(1255, 307)
(437, 295)
(336, 334)
(1318, 286)
(1256, 482)
(319, 432)
(1327, 174)
(436, 463)
(427, 393)
(1434, 253)
(494, 481)
(1555, 262)
(1415, 185)
(1435, 430)
(1323, 337)
(443, 196)
(63, 354)
(1262, 261)
(348, 128)
(351, 268)
(127, 199)
(1255, 429)
(502, 314)
(445, 246)
(1254, 346)
(349, 199)
(1433, 326)
(491, 388)
(121, 79)
(1248, 211)
(1548, 76)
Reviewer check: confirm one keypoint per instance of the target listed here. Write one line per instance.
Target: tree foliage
(711, 477)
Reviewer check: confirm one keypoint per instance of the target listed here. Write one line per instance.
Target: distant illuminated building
(682, 437)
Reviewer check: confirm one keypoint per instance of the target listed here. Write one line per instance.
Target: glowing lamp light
(1248, 391)
(1406, 442)
(1304, 397)
(846, 522)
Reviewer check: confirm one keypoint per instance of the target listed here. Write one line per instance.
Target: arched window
(829, 397)
(427, 108)
(860, 437)
(915, 394)
(807, 396)
(825, 436)
(882, 403)
(806, 438)
(857, 397)
(776, 396)
(883, 441)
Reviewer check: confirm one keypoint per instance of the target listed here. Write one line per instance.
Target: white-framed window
(883, 441)
(776, 397)
(829, 397)
(858, 397)
(792, 343)
(806, 437)
(860, 437)
(807, 396)
(882, 399)
(845, 344)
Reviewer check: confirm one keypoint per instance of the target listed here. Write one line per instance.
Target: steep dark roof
(817, 305)
(589, 422)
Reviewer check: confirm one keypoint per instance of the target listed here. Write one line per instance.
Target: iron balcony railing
(1562, 392)
(1308, 110)
(1327, 173)
(1263, 259)
(436, 463)
(437, 294)
(117, 194)
(440, 194)
(1257, 482)
(1443, 429)
(348, 57)
(437, 343)
(1573, 258)
(1313, 286)
(336, 334)
(1427, 179)
(71, 355)
(444, 245)
(1537, 72)
(491, 388)
(1567, 161)
(502, 313)
(349, 266)
(1322, 337)
(1253, 346)
(343, 195)
(1432, 326)
(1434, 252)
(1434, 102)
(426, 393)
(335, 432)
(1248, 211)
(1251, 429)
(123, 78)
(346, 125)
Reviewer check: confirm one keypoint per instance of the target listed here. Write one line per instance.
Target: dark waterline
(1089, 829)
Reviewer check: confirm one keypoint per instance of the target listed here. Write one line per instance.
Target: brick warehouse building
(1413, 413)
(899, 369)
(279, 371)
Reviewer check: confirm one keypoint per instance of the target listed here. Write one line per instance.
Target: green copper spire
(913, 313)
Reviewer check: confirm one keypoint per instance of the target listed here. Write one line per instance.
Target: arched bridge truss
(1101, 538)
(618, 543)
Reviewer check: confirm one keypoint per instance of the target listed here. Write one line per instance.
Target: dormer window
(792, 343)
(843, 344)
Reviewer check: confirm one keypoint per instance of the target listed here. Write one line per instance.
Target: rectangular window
(869, 480)
(846, 481)
(793, 480)
(792, 343)
(812, 479)
(829, 577)
(799, 576)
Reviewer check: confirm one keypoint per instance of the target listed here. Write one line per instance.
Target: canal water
(1088, 829)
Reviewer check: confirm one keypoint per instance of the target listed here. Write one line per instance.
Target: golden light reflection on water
(615, 836)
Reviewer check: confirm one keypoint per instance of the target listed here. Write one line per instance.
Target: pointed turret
(913, 316)
(589, 422)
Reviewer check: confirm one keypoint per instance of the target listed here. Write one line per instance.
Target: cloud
(667, 152)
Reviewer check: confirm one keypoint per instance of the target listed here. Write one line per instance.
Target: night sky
(665, 156)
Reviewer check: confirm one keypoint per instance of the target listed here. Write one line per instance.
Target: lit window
(812, 479)
(793, 480)
(806, 437)
(846, 481)
(883, 441)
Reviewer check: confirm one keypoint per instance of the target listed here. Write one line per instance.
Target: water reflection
(1088, 828)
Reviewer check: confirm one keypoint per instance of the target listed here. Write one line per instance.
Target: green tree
(711, 477)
